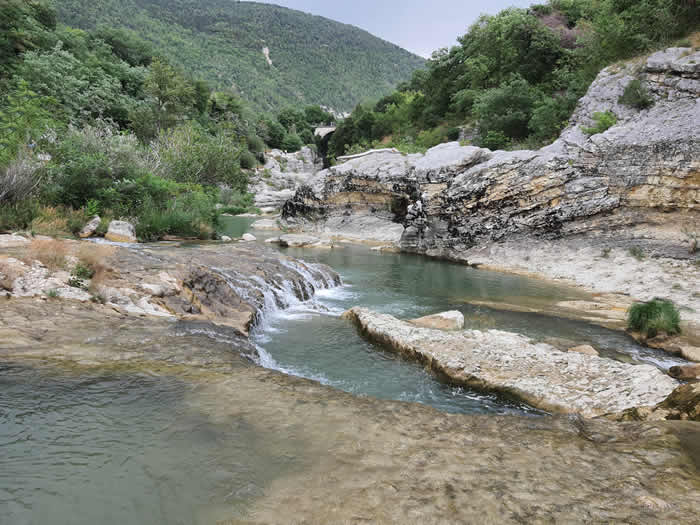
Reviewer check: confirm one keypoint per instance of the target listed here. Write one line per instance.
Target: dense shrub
(236, 202)
(87, 163)
(190, 215)
(654, 317)
(506, 109)
(292, 143)
(603, 121)
(636, 95)
(19, 180)
(495, 140)
(18, 215)
(247, 160)
(188, 153)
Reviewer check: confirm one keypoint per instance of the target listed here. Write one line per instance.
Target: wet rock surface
(336, 457)
(538, 374)
(453, 320)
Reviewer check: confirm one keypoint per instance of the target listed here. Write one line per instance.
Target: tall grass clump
(654, 317)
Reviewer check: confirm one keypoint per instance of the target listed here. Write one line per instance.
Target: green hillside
(314, 60)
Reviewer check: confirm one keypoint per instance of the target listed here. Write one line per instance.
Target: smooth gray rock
(249, 237)
(265, 224)
(452, 320)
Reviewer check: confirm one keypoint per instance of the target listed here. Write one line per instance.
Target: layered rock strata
(539, 374)
(632, 180)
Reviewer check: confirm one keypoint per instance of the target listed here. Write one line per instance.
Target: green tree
(172, 94)
(24, 117)
(506, 109)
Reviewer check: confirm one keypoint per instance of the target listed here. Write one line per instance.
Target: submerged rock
(685, 373)
(511, 364)
(121, 231)
(452, 320)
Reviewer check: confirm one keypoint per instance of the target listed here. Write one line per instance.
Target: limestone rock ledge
(538, 374)
(640, 178)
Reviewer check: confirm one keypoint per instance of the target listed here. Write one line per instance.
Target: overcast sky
(418, 25)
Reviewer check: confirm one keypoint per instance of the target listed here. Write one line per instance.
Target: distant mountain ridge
(314, 60)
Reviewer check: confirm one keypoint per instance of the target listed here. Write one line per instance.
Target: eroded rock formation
(635, 179)
(281, 176)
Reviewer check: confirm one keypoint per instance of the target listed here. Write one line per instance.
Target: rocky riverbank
(224, 284)
(617, 213)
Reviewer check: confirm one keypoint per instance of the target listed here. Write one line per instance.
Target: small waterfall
(279, 292)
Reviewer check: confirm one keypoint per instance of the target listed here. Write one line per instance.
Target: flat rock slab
(539, 374)
(12, 241)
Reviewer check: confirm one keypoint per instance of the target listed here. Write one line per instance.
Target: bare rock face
(282, 175)
(452, 320)
(121, 231)
(539, 374)
(642, 172)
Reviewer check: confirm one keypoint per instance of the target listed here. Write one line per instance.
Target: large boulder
(121, 231)
(565, 382)
(90, 228)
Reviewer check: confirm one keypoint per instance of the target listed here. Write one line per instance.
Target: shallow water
(311, 341)
(123, 448)
(145, 442)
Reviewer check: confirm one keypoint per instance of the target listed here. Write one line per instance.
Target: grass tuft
(654, 317)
